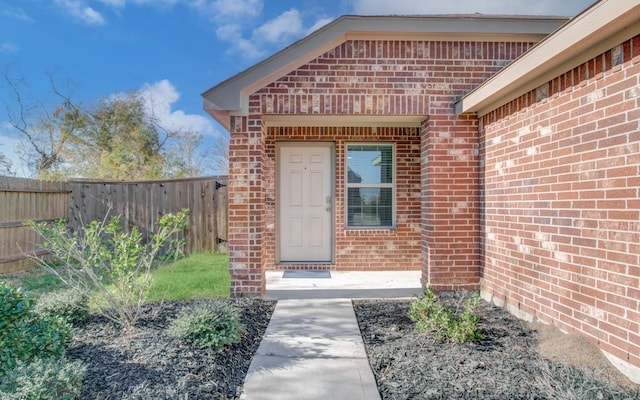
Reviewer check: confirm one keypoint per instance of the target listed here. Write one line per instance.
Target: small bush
(40, 379)
(423, 310)
(448, 325)
(68, 304)
(213, 324)
(25, 335)
(104, 260)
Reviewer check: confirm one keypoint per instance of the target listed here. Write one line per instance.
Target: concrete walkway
(312, 348)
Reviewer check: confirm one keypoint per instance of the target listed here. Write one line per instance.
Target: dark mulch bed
(150, 364)
(503, 365)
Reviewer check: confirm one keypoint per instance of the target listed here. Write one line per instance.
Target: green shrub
(40, 379)
(25, 335)
(212, 324)
(423, 310)
(447, 325)
(113, 266)
(68, 304)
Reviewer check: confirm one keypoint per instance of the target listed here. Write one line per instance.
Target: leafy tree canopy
(115, 137)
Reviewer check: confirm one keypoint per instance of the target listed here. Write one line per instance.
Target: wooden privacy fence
(23, 200)
(143, 203)
(140, 203)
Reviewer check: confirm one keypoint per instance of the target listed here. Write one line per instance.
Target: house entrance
(305, 202)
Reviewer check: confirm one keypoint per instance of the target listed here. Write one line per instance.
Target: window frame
(391, 185)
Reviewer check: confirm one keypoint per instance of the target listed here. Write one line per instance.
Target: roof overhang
(604, 25)
(231, 96)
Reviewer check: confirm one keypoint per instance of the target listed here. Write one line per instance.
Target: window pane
(369, 207)
(370, 164)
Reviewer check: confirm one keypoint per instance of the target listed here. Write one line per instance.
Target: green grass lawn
(36, 281)
(198, 276)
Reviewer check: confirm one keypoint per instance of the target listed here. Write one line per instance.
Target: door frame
(332, 173)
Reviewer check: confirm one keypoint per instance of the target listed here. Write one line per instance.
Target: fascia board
(604, 25)
(226, 95)
(233, 93)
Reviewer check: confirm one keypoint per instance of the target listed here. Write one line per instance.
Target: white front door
(305, 182)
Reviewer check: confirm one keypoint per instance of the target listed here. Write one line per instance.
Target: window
(370, 185)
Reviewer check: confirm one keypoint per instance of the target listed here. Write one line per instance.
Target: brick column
(450, 203)
(245, 207)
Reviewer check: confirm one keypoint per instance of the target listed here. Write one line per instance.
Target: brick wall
(245, 209)
(562, 202)
(451, 203)
(358, 249)
(377, 77)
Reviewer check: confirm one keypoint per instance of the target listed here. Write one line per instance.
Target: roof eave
(222, 116)
(232, 94)
(594, 31)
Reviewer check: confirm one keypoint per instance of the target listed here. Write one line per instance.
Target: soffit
(599, 28)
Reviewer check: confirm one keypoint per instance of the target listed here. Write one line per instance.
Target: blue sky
(173, 50)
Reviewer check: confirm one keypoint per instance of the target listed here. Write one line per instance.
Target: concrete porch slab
(344, 285)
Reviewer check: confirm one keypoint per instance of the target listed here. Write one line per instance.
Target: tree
(45, 133)
(186, 157)
(117, 140)
(115, 137)
(5, 165)
(220, 155)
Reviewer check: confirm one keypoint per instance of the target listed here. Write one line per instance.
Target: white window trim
(348, 185)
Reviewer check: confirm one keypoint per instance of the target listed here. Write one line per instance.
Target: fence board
(81, 201)
(22, 200)
(143, 203)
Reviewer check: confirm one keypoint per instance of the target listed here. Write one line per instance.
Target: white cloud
(281, 28)
(15, 13)
(234, 21)
(237, 8)
(159, 99)
(114, 3)
(222, 11)
(235, 17)
(8, 47)
(219, 8)
(319, 24)
(417, 7)
(80, 11)
(233, 33)
(279, 31)
(162, 3)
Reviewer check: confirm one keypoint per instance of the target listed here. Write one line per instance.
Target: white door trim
(328, 205)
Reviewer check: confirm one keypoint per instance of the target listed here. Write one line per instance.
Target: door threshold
(306, 274)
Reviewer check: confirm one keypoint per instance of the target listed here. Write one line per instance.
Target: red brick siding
(246, 149)
(562, 202)
(358, 249)
(384, 77)
(451, 203)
